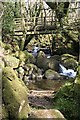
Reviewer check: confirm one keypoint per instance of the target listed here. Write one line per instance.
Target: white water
(67, 72)
(35, 51)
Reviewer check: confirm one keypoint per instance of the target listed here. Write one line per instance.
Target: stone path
(41, 99)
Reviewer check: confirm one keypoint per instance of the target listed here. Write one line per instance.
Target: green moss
(26, 57)
(11, 61)
(4, 113)
(51, 74)
(23, 56)
(67, 101)
(65, 56)
(42, 61)
(14, 95)
(9, 73)
(70, 63)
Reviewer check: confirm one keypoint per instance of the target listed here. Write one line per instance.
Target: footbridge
(45, 23)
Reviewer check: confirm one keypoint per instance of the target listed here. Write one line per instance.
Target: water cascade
(67, 72)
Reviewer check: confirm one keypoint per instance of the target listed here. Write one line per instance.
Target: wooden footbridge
(43, 24)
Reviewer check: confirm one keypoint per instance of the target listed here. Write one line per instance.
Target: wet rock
(45, 63)
(41, 60)
(15, 95)
(77, 80)
(53, 63)
(11, 61)
(52, 75)
(70, 63)
(47, 113)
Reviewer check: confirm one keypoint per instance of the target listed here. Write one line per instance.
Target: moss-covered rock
(54, 63)
(4, 113)
(69, 61)
(31, 58)
(26, 57)
(10, 73)
(46, 63)
(42, 61)
(30, 69)
(66, 56)
(8, 48)
(67, 100)
(15, 95)
(11, 61)
(52, 75)
(23, 56)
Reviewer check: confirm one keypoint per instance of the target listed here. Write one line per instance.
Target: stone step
(41, 98)
(46, 114)
(41, 93)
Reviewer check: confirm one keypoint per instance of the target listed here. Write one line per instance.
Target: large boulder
(52, 75)
(54, 63)
(45, 63)
(46, 114)
(42, 62)
(11, 61)
(69, 61)
(15, 95)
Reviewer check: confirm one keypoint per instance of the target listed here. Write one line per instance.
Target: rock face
(11, 61)
(51, 113)
(4, 113)
(14, 95)
(51, 74)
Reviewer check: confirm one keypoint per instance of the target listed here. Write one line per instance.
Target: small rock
(51, 74)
